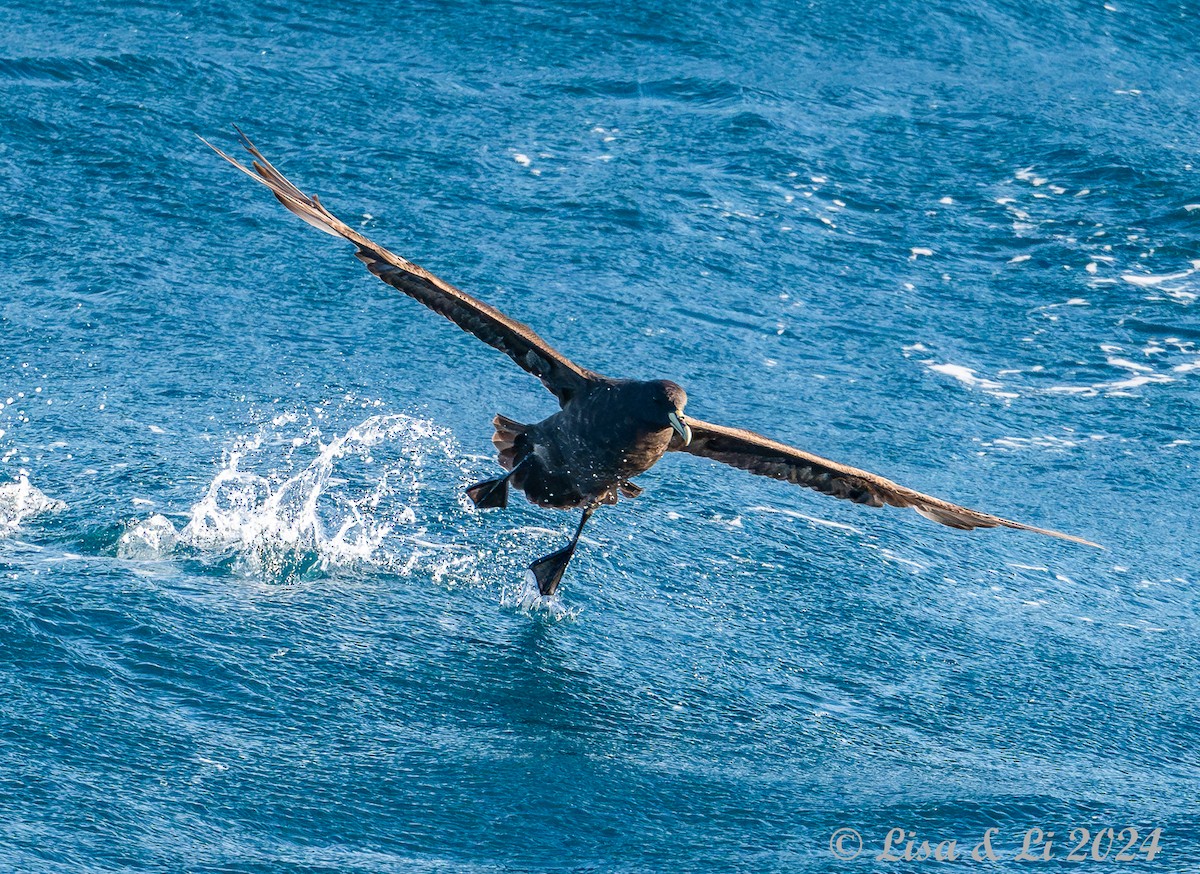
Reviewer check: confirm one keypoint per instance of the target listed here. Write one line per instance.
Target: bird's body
(607, 431)
(590, 450)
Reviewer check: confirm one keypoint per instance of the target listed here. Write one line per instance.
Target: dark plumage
(608, 430)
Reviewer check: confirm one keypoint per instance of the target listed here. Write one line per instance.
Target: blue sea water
(248, 622)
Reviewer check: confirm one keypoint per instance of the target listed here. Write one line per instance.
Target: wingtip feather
(307, 208)
(1071, 537)
(1049, 532)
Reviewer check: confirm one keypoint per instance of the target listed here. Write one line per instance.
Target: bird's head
(667, 401)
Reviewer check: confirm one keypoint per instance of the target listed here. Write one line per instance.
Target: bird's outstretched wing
(765, 457)
(557, 372)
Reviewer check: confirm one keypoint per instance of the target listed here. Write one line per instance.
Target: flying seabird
(608, 431)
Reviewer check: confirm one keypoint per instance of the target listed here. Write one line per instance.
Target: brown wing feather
(557, 372)
(765, 457)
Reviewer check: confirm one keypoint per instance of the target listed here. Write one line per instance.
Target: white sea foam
(1129, 365)
(793, 514)
(152, 539)
(1138, 375)
(889, 554)
(1027, 175)
(1147, 280)
(20, 500)
(966, 376)
(1020, 444)
(1157, 368)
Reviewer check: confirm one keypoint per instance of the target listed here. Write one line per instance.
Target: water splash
(526, 596)
(152, 539)
(19, 500)
(289, 505)
(275, 512)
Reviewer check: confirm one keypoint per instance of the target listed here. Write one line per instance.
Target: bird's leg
(548, 570)
(491, 492)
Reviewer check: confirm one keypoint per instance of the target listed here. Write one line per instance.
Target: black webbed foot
(489, 493)
(548, 570)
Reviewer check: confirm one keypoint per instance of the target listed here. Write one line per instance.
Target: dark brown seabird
(608, 430)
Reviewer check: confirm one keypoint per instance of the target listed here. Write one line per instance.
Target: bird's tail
(509, 440)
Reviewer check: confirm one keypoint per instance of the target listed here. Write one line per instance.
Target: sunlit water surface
(249, 622)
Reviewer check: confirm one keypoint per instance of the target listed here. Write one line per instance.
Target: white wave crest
(19, 500)
(152, 539)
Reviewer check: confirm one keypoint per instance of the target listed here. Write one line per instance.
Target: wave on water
(19, 500)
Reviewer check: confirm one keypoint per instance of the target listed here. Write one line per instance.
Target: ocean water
(249, 623)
